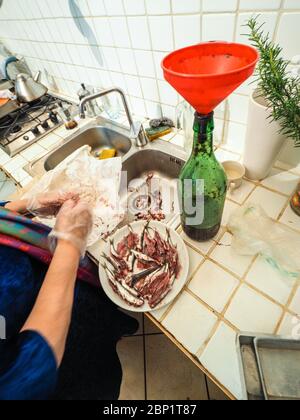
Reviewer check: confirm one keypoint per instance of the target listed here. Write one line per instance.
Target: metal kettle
(28, 88)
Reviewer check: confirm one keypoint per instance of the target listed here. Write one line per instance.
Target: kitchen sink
(98, 138)
(157, 165)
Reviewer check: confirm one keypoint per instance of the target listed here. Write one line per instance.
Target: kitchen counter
(225, 293)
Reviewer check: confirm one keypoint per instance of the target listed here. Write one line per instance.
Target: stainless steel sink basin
(99, 138)
(152, 160)
(151, 163)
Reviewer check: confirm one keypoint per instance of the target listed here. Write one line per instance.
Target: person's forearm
(52, 311)
(17, 206)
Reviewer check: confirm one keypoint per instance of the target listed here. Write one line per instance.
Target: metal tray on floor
(250, 376)
(279, 367)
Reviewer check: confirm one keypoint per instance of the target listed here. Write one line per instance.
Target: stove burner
(16, 128)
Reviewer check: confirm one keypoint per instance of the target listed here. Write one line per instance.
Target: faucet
(137, 131)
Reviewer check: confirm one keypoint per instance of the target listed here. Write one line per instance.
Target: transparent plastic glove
(73, 224)
(48, 204)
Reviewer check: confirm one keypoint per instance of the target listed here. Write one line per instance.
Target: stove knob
(53, 117)
(35, 131)
(45, 125)
(26, 138)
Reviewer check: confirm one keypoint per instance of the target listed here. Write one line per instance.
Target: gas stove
(30, 123)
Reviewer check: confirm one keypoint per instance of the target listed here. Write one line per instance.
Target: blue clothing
(27, 364)
(90, 368)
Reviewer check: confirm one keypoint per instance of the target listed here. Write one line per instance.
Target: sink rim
(76, 136)
(36, 168)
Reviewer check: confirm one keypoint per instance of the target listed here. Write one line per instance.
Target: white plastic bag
(255, 233)
(96, 181)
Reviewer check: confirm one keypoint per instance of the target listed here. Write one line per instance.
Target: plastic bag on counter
(255, 233)
(96, 181)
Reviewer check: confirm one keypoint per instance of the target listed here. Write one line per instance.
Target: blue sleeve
(28, 369)
(3, 203)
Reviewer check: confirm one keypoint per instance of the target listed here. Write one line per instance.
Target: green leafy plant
(280, 90)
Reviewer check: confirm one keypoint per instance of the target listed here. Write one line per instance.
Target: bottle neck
(203, 133)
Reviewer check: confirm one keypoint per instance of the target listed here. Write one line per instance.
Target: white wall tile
(219, 5)
(96, 7)
(133, 86)
(134, 7)
(238, 108)
(218, 27)
(269, 20)
(289, 29)
(158, 7)
(292, 4)
(103, 31)
(259, 4)
(187, 30)
(145, 63)
(127, 61)
(120, 32)
(114, 8)
(149, 88)
(186, 6)
(139, 33)
(161, 33)
(168, 95)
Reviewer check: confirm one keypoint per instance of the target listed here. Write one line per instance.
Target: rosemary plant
(280, 90)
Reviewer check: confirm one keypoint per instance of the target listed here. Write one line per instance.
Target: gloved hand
(73, 224)
(49, 204)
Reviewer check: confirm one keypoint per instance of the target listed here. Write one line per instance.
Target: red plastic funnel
(205, 74)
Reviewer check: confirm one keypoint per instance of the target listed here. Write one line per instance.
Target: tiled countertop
(225, 293)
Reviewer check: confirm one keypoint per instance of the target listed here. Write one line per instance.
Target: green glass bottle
(203, 184)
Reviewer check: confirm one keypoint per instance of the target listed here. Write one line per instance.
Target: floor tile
(265, 278)
(213, 285)
(203, 247)
(290, 327)
(131, 355)
(240, 194)
(271, 202)
(290, 218)
(295, 305)
(282, 181)
(224, 254)
(150, 327)
(221, 359)
(215, 393)
(190, 322)
(139, 317)
(170, 374)
(229, 209)
(250, 311)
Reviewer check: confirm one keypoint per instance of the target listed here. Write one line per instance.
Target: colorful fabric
(21, 233)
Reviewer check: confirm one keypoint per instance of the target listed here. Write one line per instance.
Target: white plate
(179, 283)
